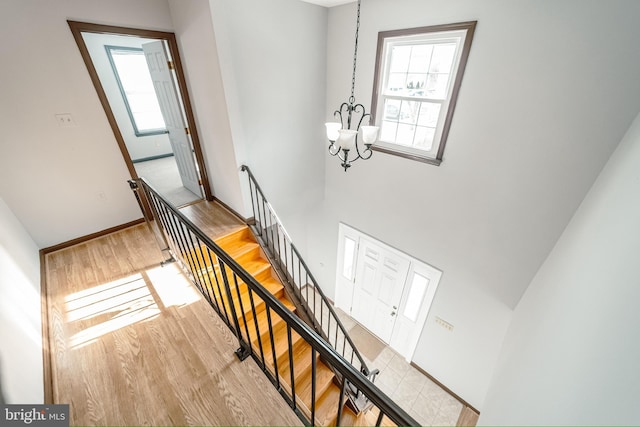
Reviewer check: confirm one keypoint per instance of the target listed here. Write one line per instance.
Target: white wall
(549, 90)
(21, 373)
(272, 58)
(139, 147)
(571, 354)
(198, 50)
(61, 182)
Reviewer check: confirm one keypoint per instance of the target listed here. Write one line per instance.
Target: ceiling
(329, 3)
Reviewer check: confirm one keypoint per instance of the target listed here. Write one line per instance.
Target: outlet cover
(443, 323)
(65, 120)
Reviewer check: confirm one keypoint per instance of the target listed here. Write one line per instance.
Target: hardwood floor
(133, 343)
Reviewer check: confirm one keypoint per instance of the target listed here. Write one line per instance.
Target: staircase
(316, 376)
(289, 359)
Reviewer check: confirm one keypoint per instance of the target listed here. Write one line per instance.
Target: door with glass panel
(385, 290)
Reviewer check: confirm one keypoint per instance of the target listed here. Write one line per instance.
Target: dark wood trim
(469, 26)
(77, 28)
(445, 388)
(46, 348)
(415, 157)
(91, 236)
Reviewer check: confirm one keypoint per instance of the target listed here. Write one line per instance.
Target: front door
(172, 113)
(378, 285)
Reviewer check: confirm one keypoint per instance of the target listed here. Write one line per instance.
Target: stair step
(280, 340)
(327, 409)
(263, 327)
(301, 362)
(324, 380)
(235, 238)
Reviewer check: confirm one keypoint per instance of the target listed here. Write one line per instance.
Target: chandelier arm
(332, 147)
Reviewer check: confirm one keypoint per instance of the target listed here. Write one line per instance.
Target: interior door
(378, 285)
(168, 99)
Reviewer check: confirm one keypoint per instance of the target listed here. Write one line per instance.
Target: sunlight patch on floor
(126, 301)
(172, 286)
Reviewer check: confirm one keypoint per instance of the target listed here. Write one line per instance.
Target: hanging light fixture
(343, 139)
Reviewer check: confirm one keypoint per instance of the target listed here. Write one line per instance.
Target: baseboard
(146, 159)
(445, 388)
(249, 220)
(46, 352)
(91, 236)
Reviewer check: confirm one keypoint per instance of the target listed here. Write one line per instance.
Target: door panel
(171, 112)
(380, 277)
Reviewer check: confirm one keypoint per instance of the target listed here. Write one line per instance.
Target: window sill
(418, 158)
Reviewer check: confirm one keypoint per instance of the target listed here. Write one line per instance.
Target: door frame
(346, 277)
(77, 28)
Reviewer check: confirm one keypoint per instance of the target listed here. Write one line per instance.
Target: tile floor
(163, 175)
(423, 399)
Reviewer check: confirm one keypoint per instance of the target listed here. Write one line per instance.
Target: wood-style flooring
(133, 343)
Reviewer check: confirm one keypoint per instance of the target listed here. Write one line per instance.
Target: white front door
(385, 290)
(172, 113)
(377, 291)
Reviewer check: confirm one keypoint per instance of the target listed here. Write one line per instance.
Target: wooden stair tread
(327, 407)
(263, 326)
(301, 361)
(242, 234)
(280, 340)
(324, 380)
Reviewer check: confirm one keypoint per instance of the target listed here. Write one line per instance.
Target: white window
(132, 74)
(417, 79)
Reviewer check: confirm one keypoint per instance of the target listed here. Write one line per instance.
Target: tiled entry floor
(423, 399)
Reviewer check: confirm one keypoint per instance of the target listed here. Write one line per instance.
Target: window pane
(400, 56)
(409, 112)
(349, 257)
(442, 59)
(405, 134)
(396, 82)
(416, 295)
(437, 85)
(420, 58)
(416, 84)
(429, 113)
(424, 138)
(391, 109)
(132, 71)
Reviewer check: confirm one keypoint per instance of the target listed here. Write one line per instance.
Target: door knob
(393, 313)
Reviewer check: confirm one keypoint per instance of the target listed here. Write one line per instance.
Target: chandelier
(343, 138)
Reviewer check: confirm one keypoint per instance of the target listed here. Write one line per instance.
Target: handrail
(265, 229)
(199, 255)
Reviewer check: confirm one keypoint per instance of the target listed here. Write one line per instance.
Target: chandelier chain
(355, 56)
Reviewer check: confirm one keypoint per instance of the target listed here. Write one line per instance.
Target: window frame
(136, 130)
(446, 116)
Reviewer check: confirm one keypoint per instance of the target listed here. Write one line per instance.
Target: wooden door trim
(78, 27)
